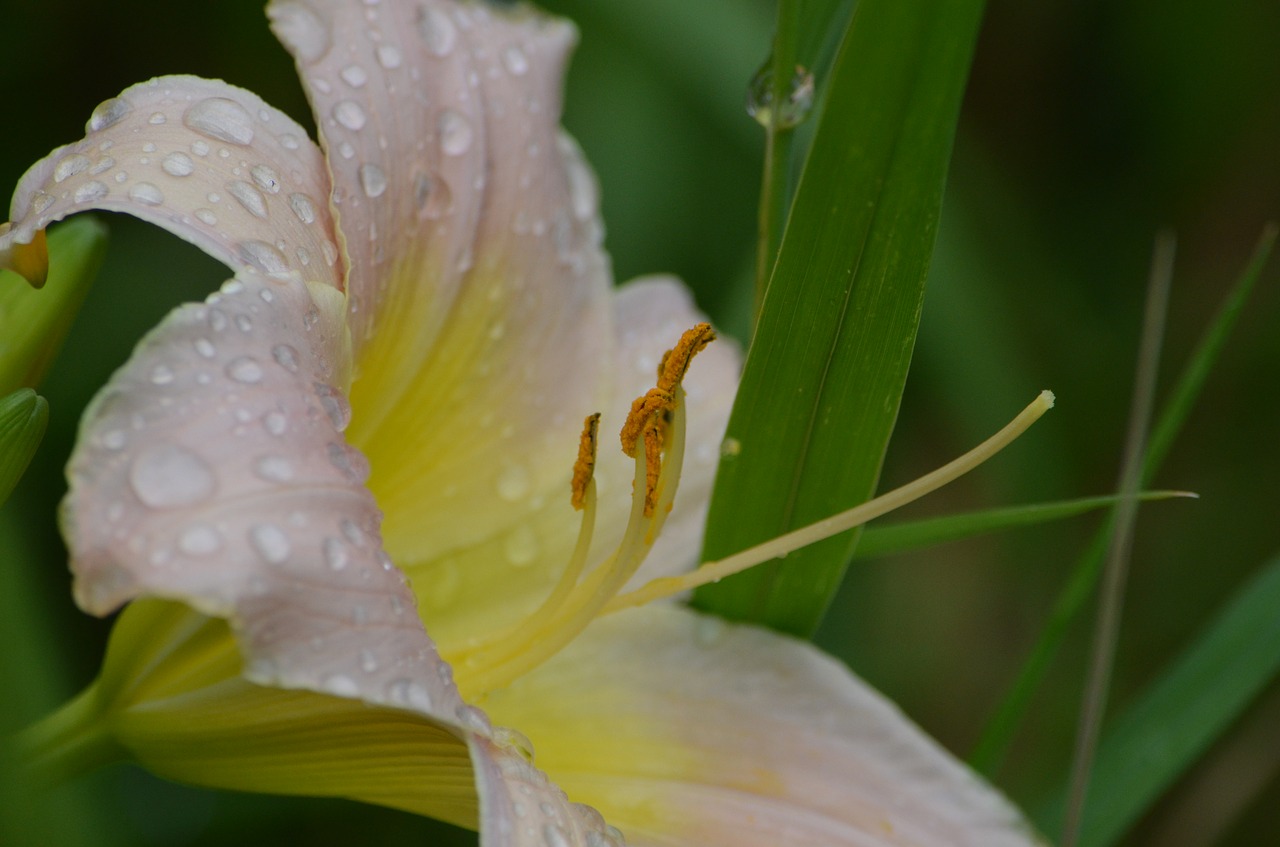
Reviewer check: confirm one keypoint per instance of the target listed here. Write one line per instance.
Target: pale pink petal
(479, 587)
(212, 470)
(209, 162)
(685, 730)
(480, 292)
(520, 807)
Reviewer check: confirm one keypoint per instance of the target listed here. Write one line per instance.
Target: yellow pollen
(650, 414)
(584, 467)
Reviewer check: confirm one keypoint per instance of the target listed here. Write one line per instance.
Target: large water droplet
(245, 369)
(795, 106)
(177, 164)
(69, 167)
(455, 133)
(264, 257)
(221, 119)
(200, 540)
(303, 207)
(286, 356)
(301, 29)
(349, 114)
(335, 405)
(266, 178)
(270, 542)
(274, 468)
(248, 197)
(521, 546)
(437, 30)
(90, 192)
(147, 194)
(514, 483)
(108, 113)
(168, 477)
(372, 180)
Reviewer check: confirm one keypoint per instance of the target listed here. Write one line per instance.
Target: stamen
(30, 260)
(710, 572)
(584, 467)
(658, 417)
(651, 413)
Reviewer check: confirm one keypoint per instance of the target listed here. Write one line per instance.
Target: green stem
(775, 197)
(68, 743)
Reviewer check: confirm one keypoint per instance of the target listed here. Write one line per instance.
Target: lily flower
(338, 495)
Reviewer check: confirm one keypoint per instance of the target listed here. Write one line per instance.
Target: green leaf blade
(1150, 745)
(825, 373)
(24, 415)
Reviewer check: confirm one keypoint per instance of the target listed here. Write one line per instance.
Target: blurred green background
(1087, 126)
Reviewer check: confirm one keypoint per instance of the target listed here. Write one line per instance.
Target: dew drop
(455, 133)
(301, 29)
(368, 661)
(266, 178)
(274, 468)
(436, 30)
(515, 60)
(104, 164)
(157, 119)
(335, 405)
(249, 197)
(200, 148)
(353, 533)
(168, 477)
(206, 217)
(349, 114)
(264, 257)
(243, 323)
(432, 196)
(275, 423)
(161, 375)
(372, 180)
(521, 546)
(354, 76)
(286, 357)
(200, 540)
(147, 194)
(335, 555)
(107, 114)
(289, 141)
(43, 201)
(69, 167)
(341, 685)
(405, 692)
(795, 108)
(245, 369)
(730, 447)
(90, 192)
(389, 57)
(554, 836)
(514, 483)
(270, 542)
(177, 164)
(474, 719)
(220, 119)
(205, 348)
(303, 207)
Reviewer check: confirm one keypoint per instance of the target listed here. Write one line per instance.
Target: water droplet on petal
(266, 178)
(167, 477)
(200, 540)
(349, 114)
(108, 113)
(270, 542)
(730, 447)
(90, 192)
(335, 405)
(554, 836)
(372, 180)
(389, 57)
(515, 60)
(303, 207)
(474, 719)
(406, 692)
(220, 119)
(275, 423)
(795, 107)
(147, 194)
(335, 555)
(205, 348)
(245, 369)
(354, 76)
(342, 686)
(161, 375)
(69, 167)
(514, 483)
(455, 133)
(249, 197)
(264, 257)
(368, 661)
(353, 533)
(521, 546)
(432, 196)
(436, 30)
(301, 29)
(206, 217)
(178, 164)
(274, 468)
(286, 357)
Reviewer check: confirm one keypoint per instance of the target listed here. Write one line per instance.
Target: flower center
(654, 436)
